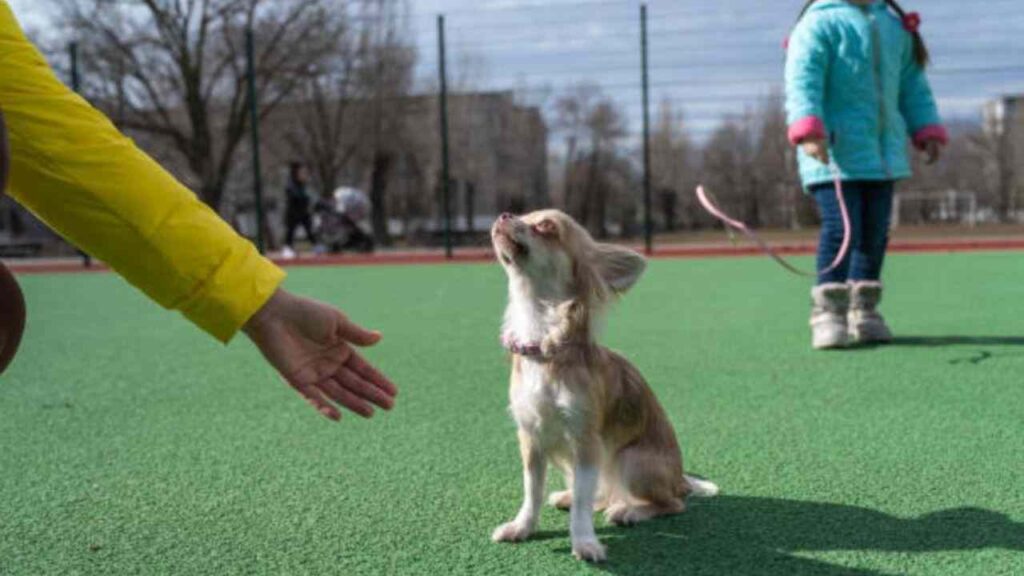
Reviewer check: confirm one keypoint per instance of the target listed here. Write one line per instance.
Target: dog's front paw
(589, 550)
(561, 500)
(513, 531)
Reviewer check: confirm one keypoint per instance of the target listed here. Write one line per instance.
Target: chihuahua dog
(578, 405)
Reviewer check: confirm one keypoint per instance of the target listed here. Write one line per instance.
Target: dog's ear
(619, 267)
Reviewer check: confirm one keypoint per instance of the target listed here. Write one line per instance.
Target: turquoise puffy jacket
(851, 77)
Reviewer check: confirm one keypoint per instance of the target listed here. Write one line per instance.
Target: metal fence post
(445, 166)
(254, 118)
(76, 82)
(648, 220)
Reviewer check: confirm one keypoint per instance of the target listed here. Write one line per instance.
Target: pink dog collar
(528, 349)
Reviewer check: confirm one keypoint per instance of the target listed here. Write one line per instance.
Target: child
(855, 89)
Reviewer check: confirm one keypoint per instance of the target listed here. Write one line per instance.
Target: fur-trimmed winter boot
(866, 324)
(828, 315)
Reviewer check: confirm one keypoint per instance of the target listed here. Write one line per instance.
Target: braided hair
(920, 50)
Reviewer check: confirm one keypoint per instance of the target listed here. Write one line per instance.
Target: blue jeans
(870, 207)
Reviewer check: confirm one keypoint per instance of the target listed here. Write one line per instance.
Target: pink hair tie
(785, 43)
(912, 22)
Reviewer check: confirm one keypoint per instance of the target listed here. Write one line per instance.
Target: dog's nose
(505, 217)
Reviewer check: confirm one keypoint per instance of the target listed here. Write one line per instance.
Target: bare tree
(349, 118)
(468, 142)
(571, 112)
(179, 68)
(324, 122)
(593, 126)
(749, 165)
(606, 126)
(776, 195)
(995, 144)
(673, 166)
(727, 167)
(387, 78)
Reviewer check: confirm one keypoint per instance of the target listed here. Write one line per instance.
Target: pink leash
(737, 225)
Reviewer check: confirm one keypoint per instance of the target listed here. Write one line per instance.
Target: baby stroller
(338, 217)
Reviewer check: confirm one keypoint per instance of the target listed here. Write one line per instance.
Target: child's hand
(932, 150)
(816, 148)
(311, 345)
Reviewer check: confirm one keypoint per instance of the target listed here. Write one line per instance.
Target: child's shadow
(748, 535)
(979, 357)
(935, 341)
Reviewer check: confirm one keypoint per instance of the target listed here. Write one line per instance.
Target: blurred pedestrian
(339, 215)
(297, 208)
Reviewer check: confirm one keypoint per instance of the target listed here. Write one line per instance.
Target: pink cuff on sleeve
(809, 127)
(935, 132)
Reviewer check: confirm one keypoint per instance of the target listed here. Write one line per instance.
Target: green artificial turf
(130, 443)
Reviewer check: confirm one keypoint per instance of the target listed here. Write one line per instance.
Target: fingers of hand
(346, 397)
(356, 334)
(316, 398)
(364, 389)
(323, 367)
(343, 377)
(366, 371)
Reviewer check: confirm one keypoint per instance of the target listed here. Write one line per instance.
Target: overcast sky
(711, 58)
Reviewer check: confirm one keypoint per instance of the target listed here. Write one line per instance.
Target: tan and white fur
(580, 406)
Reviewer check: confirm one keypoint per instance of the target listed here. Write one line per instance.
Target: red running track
(477, 255)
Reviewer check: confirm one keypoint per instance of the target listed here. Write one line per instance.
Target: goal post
(948, 207)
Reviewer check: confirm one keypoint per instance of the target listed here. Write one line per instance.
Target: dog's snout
(505, 217)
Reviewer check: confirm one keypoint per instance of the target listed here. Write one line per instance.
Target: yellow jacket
(74, 170)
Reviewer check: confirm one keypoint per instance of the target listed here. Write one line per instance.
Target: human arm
(807, 61)
(73, 169)
(918, 107)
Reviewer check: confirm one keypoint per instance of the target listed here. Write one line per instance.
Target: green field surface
(131, 443)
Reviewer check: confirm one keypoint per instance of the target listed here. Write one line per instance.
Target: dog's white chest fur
(545, 408)
(541, 406)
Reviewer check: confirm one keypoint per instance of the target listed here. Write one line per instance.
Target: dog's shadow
(749, 535)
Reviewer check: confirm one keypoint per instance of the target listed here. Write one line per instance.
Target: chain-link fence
(447, 113)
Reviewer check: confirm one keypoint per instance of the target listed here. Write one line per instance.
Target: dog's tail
(700, 487)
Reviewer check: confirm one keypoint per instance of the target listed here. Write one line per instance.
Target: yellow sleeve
(72, 168)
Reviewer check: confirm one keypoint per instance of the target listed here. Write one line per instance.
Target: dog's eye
(545, 228)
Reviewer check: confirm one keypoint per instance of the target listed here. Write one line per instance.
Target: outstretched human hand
(311, 346)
